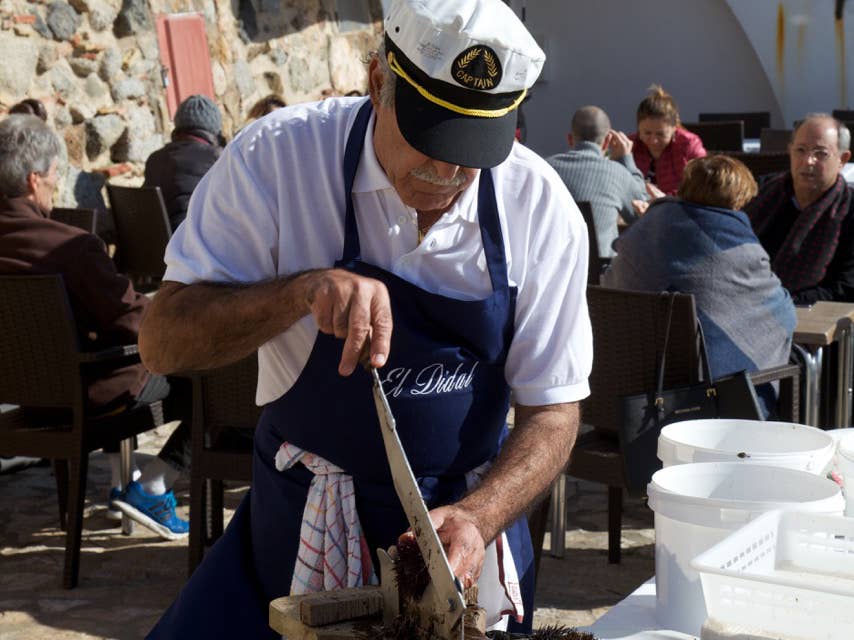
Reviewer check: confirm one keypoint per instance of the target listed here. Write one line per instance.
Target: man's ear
(606, 142)
(570, 140)
(845, 157)
(32, 182)
(375, 82)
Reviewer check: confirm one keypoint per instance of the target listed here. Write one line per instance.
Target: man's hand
(463, 542)
(354, 308)
(640, 206)
(618, 145)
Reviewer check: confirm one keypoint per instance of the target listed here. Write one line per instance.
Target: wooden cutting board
(346, 614)
(356, 610)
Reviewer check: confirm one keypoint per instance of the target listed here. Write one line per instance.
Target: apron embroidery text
(434, 379)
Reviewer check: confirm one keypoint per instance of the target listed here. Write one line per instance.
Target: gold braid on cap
(477, 113)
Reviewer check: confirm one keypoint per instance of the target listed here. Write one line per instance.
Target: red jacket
(106, 307)
(685, 146)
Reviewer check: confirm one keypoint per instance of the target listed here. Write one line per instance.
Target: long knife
(442, 600)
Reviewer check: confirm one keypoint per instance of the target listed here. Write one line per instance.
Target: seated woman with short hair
(702, 243)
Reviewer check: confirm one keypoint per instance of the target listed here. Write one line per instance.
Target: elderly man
(599, 168)
(106, 308)
(803, 217)
(410, 227)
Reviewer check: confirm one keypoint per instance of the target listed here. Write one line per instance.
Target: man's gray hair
(27, 145)
(389, 77)
(843, 135)
(590, 124)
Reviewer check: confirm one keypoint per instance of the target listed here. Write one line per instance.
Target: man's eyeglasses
(819, 155)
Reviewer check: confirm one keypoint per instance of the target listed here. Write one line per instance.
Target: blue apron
(445, 384)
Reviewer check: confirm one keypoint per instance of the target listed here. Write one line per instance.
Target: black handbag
(644, 415)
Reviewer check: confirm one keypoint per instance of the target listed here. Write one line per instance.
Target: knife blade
(442, 600)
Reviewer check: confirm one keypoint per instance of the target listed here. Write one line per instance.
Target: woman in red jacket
(662, 147)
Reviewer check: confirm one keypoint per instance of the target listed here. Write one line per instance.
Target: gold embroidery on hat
(476, 113)
(483, 76)
(491, 66)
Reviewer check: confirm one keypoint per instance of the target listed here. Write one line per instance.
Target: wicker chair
(142, 233)
(80, 218)
(224, 417)
(763, 164)
(719, 136)
(595, 263)
(774, 140)
(42, 368)
(754, 121)
(628, 331)
(843, 114)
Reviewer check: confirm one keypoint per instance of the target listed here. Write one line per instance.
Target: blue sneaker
(113, 512)
(155, 512)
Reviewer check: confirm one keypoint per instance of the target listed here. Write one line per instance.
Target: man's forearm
(536, 451)
(206, 325)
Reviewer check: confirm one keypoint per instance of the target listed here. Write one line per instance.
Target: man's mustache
(429, 174)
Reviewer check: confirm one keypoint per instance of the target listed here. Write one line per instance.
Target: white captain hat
(463, 68)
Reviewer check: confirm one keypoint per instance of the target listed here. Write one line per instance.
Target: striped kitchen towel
(333, 553)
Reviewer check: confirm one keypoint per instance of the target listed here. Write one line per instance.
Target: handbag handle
(710, 391)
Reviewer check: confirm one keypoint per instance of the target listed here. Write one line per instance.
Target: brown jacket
(106, 307)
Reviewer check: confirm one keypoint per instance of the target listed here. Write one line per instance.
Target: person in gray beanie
(196, 144)
(198, 112)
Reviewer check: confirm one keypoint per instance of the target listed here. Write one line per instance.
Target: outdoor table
(815, 331)
(633, 618)
(843, 312)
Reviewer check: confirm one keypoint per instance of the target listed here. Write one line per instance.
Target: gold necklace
(423, 229)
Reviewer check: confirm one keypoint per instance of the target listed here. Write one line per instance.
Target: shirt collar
(587, 146)
(22, 207)
(370, 176)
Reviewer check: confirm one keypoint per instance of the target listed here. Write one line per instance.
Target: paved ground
(127, 582)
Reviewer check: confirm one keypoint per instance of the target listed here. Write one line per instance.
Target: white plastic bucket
(782, 444)
(844, 460)
(698, 505)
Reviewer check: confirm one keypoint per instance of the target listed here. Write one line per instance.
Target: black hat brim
(451, 137)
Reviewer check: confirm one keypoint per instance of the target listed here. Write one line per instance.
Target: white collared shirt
(273, 205)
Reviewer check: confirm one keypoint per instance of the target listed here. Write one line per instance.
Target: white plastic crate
(787, 572)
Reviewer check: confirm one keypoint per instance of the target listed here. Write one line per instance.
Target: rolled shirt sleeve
(230, 233)
(551, 355)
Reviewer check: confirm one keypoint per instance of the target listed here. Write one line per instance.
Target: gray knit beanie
(199, 112)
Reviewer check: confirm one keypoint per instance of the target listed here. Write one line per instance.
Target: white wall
(810, 61)
(607, 52)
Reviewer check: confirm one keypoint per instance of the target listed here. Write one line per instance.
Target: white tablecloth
(633, 618)
(750, 145)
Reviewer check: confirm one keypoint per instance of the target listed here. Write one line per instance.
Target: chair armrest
(789, 396)
(111, 353)
(775, 373)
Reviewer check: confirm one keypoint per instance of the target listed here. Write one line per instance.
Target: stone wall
(96, 66)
